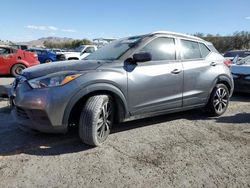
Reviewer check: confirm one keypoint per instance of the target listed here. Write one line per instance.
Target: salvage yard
(185, 149)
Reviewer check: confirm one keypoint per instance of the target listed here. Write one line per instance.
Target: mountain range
(39, 42)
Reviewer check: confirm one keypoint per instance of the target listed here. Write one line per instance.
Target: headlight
(52, 80)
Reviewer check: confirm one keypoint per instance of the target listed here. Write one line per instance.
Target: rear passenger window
(190, 49)
(161, 48)
(204, 50)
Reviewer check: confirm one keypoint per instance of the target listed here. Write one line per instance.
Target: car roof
(180, 35)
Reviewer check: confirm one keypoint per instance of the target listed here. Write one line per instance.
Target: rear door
(7, 59)
(200, 72)
(156, 85)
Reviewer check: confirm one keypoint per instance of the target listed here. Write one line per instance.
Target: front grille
(21, 113)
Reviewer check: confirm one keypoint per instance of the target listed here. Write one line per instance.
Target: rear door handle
(213, 64)
(176, 71)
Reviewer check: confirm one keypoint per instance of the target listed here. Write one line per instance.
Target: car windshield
(245, 60)
(115, 49)
(80, 48)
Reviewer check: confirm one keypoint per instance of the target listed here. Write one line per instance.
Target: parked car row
(79, 53)
(15, 58)
(14, 61)
(47, 56)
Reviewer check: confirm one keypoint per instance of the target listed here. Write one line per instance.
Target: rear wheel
(96, 120)
(48, 61)
(218, 101)
(17, 69)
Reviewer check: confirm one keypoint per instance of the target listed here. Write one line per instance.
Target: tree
(69, 44)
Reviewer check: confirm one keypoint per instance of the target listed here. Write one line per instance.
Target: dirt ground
(185, 149)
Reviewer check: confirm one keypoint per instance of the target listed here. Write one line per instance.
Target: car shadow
(14, 141)
(238, 118)
(6, 76)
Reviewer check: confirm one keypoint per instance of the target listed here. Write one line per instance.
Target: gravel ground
(184, 149)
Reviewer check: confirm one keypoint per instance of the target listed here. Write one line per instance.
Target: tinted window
(161, 49)
(4, 51)
(190, 49)
(44, 53)
(204, 50)
(234, 53)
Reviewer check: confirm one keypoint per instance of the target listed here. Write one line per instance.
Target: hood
(49, 68)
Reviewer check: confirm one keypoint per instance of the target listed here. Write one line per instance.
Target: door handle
(213, 64)
(176, 71)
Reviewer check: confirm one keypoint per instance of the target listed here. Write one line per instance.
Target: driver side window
(4, 51)
(161, 48)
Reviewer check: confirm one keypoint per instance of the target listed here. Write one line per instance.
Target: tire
(219, 100)
(96, 120)
(48, 61)
(17, 69)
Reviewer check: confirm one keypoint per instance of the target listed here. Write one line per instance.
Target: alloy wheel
(220, 101)
(104, 121)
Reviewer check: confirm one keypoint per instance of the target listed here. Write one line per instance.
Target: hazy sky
(24, 20)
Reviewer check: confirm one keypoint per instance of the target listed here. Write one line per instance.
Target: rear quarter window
(190, 50)
(204, 50)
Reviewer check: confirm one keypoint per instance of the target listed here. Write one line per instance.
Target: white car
(82, 52)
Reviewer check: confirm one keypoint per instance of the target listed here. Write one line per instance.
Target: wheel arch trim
(98, 87)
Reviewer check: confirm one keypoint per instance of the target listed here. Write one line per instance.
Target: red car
(13, 61)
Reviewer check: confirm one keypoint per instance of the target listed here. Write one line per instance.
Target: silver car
(131, 78)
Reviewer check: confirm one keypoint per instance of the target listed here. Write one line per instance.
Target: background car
(241, 75)
(13, 61)
(80, 52)
(233, 53)
(46, 56)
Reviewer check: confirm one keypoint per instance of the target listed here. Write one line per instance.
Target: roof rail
(175, 33)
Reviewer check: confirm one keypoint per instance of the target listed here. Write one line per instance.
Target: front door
(156, 85)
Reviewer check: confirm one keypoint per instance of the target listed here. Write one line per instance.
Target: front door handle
(213, 64)
(176, 71)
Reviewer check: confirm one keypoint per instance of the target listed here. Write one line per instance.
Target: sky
(25, 20)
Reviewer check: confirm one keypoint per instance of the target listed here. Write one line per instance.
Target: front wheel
(219, 100)
(96, 120)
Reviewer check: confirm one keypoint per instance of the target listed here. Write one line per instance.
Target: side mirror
(142, 57)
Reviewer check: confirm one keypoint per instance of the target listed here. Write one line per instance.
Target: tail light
(228, 63)
(35, 55)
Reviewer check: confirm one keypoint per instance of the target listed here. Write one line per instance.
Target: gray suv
(130, 78)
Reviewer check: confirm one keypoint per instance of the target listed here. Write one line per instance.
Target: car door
(6, 59)
(156, 85)
(200, 72)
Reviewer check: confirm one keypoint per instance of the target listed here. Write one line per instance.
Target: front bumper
(35, 119)
(39, 109)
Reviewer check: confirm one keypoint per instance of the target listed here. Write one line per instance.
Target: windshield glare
(115, 49)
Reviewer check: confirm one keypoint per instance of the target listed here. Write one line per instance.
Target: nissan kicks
(130, 78)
